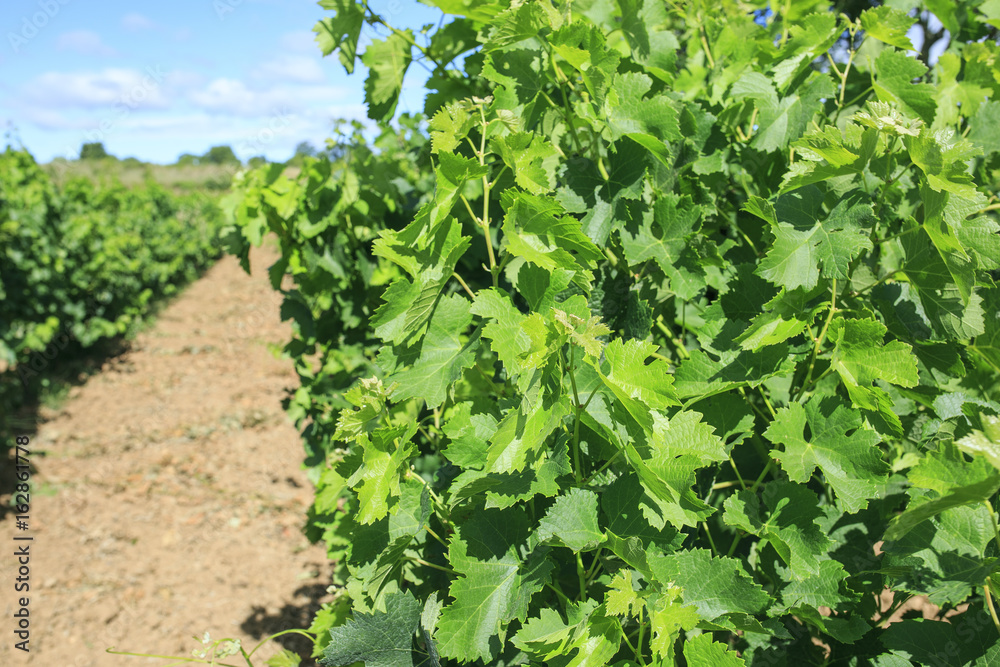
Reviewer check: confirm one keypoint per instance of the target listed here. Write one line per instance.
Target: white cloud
(234, 97)
(135, 22)
(84, 42)
(290, 68)
(93, 90)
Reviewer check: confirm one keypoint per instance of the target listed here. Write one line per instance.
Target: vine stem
(445, 516)
(433, 566)
(464, 286)
(819, 342)
(577, 408)
(485, 224)
(581, 574)
(986, 586)
(604, 467)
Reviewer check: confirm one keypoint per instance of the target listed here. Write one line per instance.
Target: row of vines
(85, 263)
(668, 335)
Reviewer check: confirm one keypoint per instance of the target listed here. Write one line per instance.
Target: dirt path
(168, 493)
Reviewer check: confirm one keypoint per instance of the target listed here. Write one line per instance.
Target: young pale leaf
(888, 25)
(621, 598)
(702, 651)
(386, 456)
(668, 615)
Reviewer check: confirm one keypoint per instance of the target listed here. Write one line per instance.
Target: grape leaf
(716, 586)
(427, 369)
(387, 61)
(786, 517)
(379, 639)
(494, 587)
(702, 651)
(572, 521)
(827, 434)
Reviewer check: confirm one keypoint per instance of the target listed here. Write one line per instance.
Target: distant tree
(220, 155)
(256, 161)
(187, 159)
(93, 151)
(307, 149)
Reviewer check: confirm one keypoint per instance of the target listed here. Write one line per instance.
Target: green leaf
(664, 235)
(956, 497)
(702, 651)
(629, 111)
(860, 358)
(967, 641)
(822, 589)
(715, 586)
(893, 77)
(572, 521)
(629, 374)
(431, 366)
(531, 159)
(380, 639)
(494, 587)
(943, 558)
(888, 25)
(985, 127)
(535, 229)
(341, 32)
(808, 244)
(947, 313)
(387, 61)
(284, 658)
(786, 517)
(522, 433)
(786, 316)
(590, 634)
(702, 376)
(827, 434)
(429, 259)
(782, 121)
(386, 456)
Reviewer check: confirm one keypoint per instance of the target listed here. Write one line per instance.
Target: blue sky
(153, 80)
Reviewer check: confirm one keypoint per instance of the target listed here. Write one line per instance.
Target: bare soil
(168, 494)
